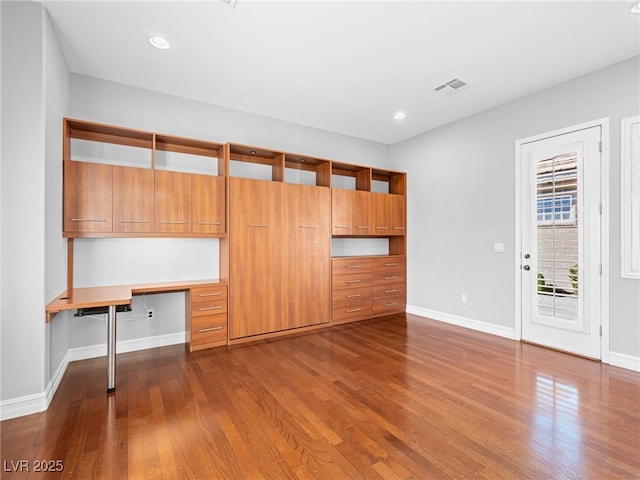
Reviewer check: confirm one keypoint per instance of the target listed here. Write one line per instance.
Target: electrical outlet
(463, 298)
(150, 313)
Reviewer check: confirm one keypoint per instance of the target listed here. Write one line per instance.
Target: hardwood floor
(395, 398)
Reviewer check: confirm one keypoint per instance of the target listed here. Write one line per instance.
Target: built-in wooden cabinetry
(275, 214)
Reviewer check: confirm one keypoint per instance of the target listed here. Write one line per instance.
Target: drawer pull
(174, 222)
(382, 228)
(352, 310)
(204, 309)
(390, 304)
(214, 294)
(354, 295)
(209, 223)
(353, 266)
(363, 227)
(212, 329)
(391, 277)
(353, 281)
(341, 226)
(258, 225)
(398, 228)
(391, 291)
(134, 221)
(308, 226)
(390, 264)
(87, 220)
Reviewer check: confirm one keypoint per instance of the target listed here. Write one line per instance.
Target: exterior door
(561, 241)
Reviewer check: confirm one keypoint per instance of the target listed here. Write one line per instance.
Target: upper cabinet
(124, 182)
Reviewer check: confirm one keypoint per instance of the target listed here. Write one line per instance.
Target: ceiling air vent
(454, 84)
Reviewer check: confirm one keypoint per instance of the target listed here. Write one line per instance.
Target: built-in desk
(112, 297)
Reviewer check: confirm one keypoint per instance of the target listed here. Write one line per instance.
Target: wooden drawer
(351, 311)
(390, 263)
(351, 294)
(350, 265)
(352, 280)
(208, 331)
(387, 291)
(208, 307)
(390, 277)
(210, 292)
(387, 306)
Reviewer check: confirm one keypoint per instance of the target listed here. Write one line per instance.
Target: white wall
(461, 199)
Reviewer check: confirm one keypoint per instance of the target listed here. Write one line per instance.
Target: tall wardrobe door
(255, 263)
(307, 263)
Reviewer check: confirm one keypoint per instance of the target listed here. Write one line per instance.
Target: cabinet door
(362, 221)
(255, 263)
(341, 212)
(132, 199)
(380, 213)
(87, 197)
(172, 201)
(208, 204)
(397, 214)
(307, 255)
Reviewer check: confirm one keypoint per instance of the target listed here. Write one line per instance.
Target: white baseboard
(39, 402)
(624, 361)
(471, 323)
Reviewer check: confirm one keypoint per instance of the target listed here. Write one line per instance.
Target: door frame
(603, 123)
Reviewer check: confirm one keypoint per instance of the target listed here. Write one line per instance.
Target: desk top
(115, 294)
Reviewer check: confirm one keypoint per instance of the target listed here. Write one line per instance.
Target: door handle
(526, 267)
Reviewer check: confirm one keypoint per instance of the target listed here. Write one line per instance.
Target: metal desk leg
(111, 349)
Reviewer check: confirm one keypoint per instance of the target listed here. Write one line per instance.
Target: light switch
(498, 247)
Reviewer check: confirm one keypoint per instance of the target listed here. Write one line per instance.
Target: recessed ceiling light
(400, 116)
(159, 42)
(636, 8)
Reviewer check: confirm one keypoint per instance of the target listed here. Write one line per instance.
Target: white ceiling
(346, 67)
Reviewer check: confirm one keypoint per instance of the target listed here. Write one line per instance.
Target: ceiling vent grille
(454, 84)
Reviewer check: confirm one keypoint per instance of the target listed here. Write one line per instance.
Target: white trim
(603, 123)
(626, 182)
(39, 402)
(623, 360)
(465, 322)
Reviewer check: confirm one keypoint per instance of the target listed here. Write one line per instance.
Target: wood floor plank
(395, 398)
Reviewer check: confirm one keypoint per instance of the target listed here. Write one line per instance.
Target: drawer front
(351, 311)
(350, 265)
(213, 292)
(209, 329)
(352, 280)
(387, 306)
(208, 307)
(390, 263)
(390, 277)
(387, 291)
(351, 294)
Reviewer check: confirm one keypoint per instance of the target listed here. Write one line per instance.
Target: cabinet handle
(391, 291)
(212, 329)
(390, 264)
(258, 225)
(351, 310)
(87, 220)
(382, 228)
(363, 227)
(353, 281)
(203, 309)
(209, 223)
(341, 226)
(209, 294)
(308, 226)
(390, 304)
(134, 221)
(353, 266)
(390, 278)
(398, 228)
(354, 295)
(174, 222)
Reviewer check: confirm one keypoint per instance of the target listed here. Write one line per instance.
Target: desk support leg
(111, 349)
